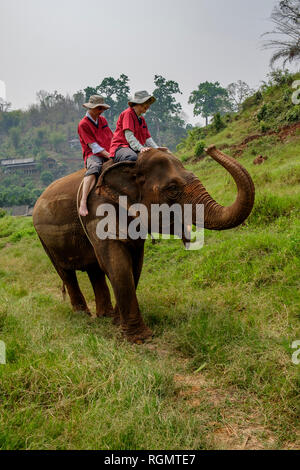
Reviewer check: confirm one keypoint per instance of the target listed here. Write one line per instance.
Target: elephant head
(160, 178)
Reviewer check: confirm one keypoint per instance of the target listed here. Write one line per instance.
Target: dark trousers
(125, 153)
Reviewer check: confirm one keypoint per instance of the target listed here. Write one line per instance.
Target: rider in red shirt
(95, 138)
(132, 136)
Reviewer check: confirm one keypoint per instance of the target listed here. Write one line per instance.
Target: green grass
(271, 112)
(219, 372)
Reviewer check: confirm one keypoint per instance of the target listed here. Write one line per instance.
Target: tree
(209, 99)
(237, 93)
(78, 99)
(15, 137)
(285, 38)
(56, 139)
(218, 123)
(165, 112)
(116, 93)
(47, 177)
(4, 105)
(49, 100)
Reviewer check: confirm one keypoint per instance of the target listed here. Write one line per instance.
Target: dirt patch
(198, 389)
(235, 430)
(283, 133)
(238, 425)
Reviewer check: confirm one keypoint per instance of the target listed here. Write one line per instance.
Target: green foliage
(208, 99)
(293, 115)
(280, 77)
(218, 123)
(262, 112)
(15, 137)
(253, 100)
(47, 177)
(163, 117)
(116, 93)
(266, 110)
(264, 127)
(56, 139)
(199, 149)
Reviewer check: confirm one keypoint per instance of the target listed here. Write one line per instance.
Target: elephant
(157, 177)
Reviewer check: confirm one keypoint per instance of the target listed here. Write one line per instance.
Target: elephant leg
(104, 307)
(137, 264)
(69, 279)
(77, 299)
(118, 263)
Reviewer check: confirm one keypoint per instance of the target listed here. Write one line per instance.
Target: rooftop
(19, 161)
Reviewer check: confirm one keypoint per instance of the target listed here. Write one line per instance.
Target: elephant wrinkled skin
(157, 177)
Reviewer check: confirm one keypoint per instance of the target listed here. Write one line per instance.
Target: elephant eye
(172, 187)
(172, 190)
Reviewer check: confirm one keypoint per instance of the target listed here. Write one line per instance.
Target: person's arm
(132, 141)
(98, 150)
(150, 143)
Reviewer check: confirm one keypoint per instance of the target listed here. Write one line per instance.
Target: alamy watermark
(2, 90)
(134, 222)
(296, 354)
(296, 94)
(2, 353)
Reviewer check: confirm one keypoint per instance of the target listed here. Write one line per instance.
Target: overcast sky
(66, 45)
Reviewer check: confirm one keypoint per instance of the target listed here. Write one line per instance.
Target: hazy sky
(66, 45)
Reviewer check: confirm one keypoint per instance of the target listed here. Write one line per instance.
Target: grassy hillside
(219, 373)
(262, 118)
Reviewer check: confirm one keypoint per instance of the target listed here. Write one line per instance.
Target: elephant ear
(117, 180)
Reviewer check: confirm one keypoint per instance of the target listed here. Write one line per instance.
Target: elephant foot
(138, 336)
(116, 316)
(108, 312)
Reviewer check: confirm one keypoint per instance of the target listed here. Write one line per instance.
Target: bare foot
(83, 211)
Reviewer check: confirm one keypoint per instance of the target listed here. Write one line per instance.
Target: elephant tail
(63, 291)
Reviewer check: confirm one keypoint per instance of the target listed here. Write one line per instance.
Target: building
(24, 210)
(74, 144)
(27, 166)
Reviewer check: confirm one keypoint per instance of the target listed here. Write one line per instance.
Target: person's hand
(104, 154)
(163, 149)
(145, 149)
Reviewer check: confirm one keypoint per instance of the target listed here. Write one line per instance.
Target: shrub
(25, 233)
(262, 113)
(184, 158)
(218, 123)
(252, 101)
(47, 177)
(199, 148)
(264, 127)
(280, 77)
(293, 114)
(15, 137)
(2, 213)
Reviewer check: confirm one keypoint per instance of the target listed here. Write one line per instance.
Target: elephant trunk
(217, 217)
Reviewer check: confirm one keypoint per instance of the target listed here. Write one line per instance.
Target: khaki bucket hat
(140, 97)
(95, 101)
